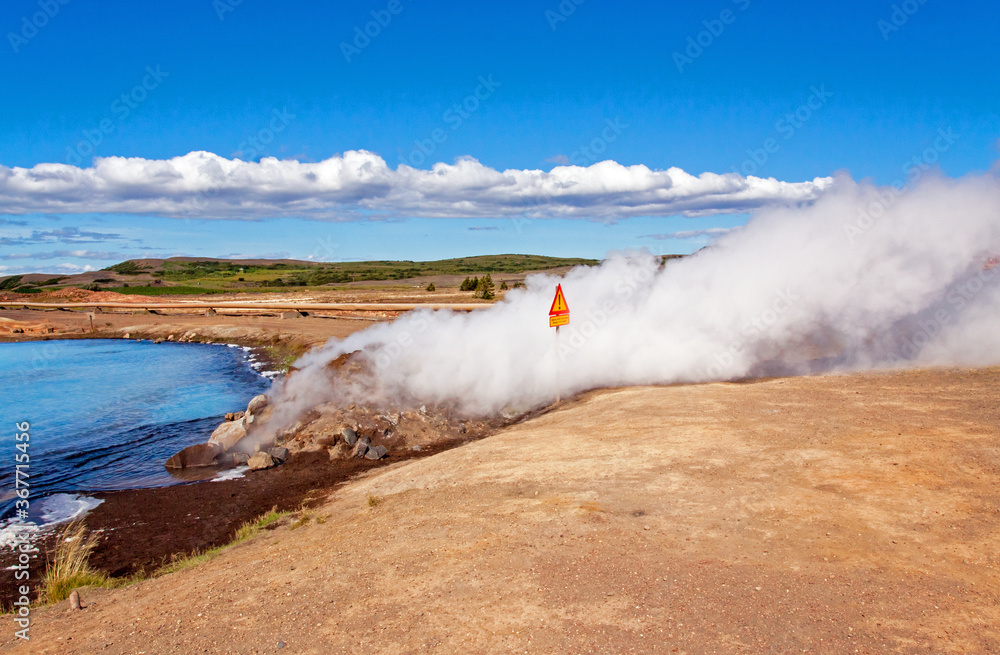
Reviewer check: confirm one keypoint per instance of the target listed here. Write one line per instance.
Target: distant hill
(205, 275)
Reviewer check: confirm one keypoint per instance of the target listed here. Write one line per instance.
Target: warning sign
(559, 312)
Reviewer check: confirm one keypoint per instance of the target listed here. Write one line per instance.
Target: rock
(234, 416)
(240, 458)
(256, 404)
(292, 314)
(360, 449)
(378, 452)
(128, 335)
(350, 436)
(227, 434)
(261, 461)
(74, 600)
(202, 454)
(210, 312)
(278, 453)
(340, 451)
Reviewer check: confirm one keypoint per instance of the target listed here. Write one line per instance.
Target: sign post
(558, 316)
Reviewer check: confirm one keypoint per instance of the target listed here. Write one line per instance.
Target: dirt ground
(305, 331)
(833, 514)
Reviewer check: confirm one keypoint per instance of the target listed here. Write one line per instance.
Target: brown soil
(833, 514)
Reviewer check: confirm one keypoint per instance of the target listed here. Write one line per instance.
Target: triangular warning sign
(559, 305)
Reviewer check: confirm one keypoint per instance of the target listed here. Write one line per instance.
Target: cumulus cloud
(359, 184)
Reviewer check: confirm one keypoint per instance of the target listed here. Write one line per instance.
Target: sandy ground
(306, 331)
(834, 514)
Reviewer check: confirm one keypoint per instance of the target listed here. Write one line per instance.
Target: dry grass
(70, 567)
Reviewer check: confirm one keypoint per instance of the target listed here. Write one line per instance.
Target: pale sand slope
(825, 515)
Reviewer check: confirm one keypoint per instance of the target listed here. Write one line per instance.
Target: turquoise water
(106, 414)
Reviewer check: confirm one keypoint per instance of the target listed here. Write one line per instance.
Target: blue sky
(874, 84)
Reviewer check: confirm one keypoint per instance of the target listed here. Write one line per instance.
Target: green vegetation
(11, 282)
(431, 287)
(52, 280)
(127, 268)
(214, 273)
(485, 288)
(375, 501)
(469, 284)
(503, 285)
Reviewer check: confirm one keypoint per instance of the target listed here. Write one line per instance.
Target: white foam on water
(231, 474)
(46, 513)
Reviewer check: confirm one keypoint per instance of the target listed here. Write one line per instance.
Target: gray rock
(360, 449)
(366, 441)
(261, 461)
(240, 458)
(350, 436)
(279, 453)
(378, 452)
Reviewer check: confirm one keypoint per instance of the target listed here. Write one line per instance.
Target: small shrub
(431, 287)
(375, 501)
(503, 285)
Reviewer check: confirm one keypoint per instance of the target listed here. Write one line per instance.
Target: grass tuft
(70, 567)
(375, 501)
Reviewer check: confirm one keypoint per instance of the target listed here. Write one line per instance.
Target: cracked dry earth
(833, 514)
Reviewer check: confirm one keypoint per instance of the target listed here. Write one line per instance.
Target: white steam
(863, 278)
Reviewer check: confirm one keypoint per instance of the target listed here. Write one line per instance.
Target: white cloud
(66, 267)
(692, 234)
(359, 184)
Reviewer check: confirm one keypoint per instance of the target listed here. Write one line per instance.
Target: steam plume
(865, 277)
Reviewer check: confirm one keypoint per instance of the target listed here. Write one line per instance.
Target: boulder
(240, 458)
(234, 416)
(202, 454)
(256, 404)
(350, 436)
(279, 453)
(260, 461)
(360, 449)
(227, 434)
(378, 452)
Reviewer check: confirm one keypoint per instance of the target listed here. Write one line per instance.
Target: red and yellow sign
(559, 312)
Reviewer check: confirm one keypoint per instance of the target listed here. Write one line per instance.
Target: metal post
(557, 366)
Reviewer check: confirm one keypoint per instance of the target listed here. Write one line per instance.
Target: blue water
(106, 414)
